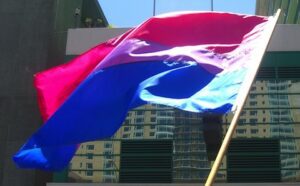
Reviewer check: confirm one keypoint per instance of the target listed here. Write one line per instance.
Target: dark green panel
(60, 177)
(253, 160)
(146, 161)
(292, 12)
(279, 59)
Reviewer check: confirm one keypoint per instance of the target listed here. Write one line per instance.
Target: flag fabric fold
(193, 61)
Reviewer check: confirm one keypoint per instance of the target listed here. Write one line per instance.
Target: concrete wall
(33, 36)
(24, 32)
(285, 38)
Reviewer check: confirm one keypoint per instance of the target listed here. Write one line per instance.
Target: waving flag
(193, 61)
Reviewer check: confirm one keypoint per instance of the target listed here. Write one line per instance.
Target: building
(290, 10)
(271, 112)
(32, 38)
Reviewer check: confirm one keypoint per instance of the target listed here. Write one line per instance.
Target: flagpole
(154, 7)
(241, 101)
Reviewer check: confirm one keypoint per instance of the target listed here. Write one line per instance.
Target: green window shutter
(253, 160)
(146, 161)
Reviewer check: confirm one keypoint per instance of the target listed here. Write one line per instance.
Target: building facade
(33, 37)
(271, 112)
(290, 10)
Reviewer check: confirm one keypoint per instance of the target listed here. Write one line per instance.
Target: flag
(194, 61)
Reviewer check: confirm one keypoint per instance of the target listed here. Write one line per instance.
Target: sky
(130, 13)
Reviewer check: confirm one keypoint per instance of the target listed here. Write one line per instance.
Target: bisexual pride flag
(193, 61)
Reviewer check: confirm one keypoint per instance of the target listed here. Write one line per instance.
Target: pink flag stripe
(56, 84)
(171, 32)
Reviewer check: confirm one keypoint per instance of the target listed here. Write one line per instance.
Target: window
(139, 120)
(89, 165)
(241, 131)
(242, 121)
(89, 173)
(89, 156)
(252, 96)
(126, 129)
(253, 113)
(138, 134)
(153, 112)
(253, 88)
(264, 120)
(125, 136)
(153, 119)
(253, 120)
(107, 145)
(127, 122)
(109, 164)
(152, 133)
(285, 103)
(90, 147)
(107, 153)
(138, 127)
(254, 131)
(140, 112)
(253, 103)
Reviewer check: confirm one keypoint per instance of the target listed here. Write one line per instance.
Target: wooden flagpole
(241, 99)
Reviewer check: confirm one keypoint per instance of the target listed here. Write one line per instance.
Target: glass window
(254, 131)
(253, 120)
(89, 165)
(140, 112)
(242, 121)
(153, 119)
(127, 122)
(152, 133)
(90, 147)
(138, 134)
(139, 120)
(107, 145)
(89, 173)
(108, 164)
(89, 156)
(138, 127)
(253, 113)
(241, 131)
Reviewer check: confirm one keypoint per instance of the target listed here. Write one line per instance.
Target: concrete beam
(285, 38)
